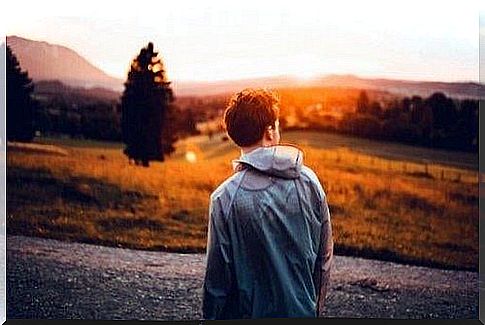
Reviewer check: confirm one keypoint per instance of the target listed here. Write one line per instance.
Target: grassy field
(387, 201)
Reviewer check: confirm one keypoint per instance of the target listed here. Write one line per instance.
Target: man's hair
(249, 113)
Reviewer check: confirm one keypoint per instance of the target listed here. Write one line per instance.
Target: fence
(423, 168)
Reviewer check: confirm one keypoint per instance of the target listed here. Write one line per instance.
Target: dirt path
(53, 279)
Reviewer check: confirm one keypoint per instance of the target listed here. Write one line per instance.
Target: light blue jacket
(269, 246)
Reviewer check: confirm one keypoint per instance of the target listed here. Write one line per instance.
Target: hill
(54, 89)
(387, 201)
(459, 90)
(45, 61)
(405, 87)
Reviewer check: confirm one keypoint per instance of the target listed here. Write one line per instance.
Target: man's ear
(269, 133)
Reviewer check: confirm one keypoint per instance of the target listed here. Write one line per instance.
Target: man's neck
(245, 150)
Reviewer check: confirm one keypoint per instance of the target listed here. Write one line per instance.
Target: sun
(306, 74)
(305, 67)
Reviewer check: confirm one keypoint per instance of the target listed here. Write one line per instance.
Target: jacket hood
(280, 160)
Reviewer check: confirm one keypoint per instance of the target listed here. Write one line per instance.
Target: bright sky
(214, 40)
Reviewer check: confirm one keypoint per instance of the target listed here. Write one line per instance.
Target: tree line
(436, 121)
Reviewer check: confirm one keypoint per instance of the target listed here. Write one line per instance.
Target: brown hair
(249, 113)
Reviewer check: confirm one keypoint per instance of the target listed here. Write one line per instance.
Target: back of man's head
(249, 113)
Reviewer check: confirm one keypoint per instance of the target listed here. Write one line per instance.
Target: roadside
(54, 279)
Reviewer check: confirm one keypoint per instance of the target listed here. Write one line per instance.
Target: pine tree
(146, 109)
(20, 105)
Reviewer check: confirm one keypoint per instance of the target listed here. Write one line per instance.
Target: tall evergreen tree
(146, 109)
(20, 105)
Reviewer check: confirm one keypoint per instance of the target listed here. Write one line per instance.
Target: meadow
(387, 201)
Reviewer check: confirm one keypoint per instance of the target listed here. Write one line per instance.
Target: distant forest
(89, 113)
(434, 121)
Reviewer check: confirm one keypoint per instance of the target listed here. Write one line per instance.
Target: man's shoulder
(309, 174)
(311, 178)
(227, 187)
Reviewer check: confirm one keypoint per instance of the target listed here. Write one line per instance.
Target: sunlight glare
(307, 74)
(190, 156)
(305, 66)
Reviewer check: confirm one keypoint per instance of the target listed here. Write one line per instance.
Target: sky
(214, 40)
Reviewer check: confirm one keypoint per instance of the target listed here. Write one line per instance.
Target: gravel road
(53, 279)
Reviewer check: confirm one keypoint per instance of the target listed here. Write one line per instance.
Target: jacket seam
(228, 214)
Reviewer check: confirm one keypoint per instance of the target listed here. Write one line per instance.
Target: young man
(269, 246)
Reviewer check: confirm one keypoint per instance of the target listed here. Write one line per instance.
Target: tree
(406, 104)
(20, 104)
(466, 128)
(363, 103)
(375, 109)
(416, 107)
(146, 109)
(187, 122)
(444, 111)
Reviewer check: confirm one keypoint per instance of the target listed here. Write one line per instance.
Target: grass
(388, 208)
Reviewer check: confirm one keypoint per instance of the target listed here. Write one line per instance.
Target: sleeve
(324, 261)
(218, 276)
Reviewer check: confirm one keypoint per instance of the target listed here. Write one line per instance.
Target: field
(387, 201)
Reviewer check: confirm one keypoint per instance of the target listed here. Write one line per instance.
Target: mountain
(204, 88)
(402, 87)
(45, 61)
(54, 90)
(405, 87)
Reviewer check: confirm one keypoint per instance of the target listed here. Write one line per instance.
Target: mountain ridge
(46, 61)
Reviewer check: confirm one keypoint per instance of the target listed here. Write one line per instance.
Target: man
(269, 246)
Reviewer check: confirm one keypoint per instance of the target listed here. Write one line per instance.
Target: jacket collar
(282, 160)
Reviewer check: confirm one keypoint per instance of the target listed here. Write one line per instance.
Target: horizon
(289, 76)
(207, 45)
